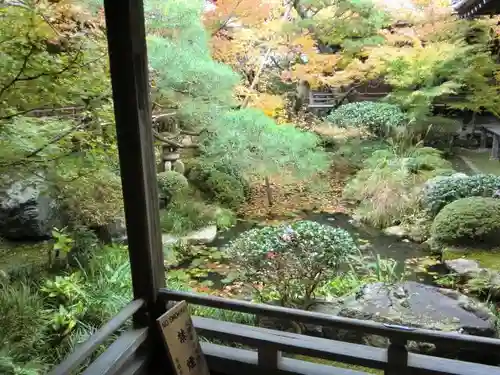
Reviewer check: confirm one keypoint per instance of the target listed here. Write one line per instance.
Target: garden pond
(207, 263)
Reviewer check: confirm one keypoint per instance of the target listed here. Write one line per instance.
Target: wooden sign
(182, 342)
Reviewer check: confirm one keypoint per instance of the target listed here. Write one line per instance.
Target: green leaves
(440, 191)
(290, 261)
(41, 68)
(379, 118)
(468, 219)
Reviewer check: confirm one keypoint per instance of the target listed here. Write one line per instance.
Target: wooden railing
(121, 353)
(127, 355)
(270, 344)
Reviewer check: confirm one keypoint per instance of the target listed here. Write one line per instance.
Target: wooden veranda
(140, 350)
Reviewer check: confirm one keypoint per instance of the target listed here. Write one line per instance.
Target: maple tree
(54, 55)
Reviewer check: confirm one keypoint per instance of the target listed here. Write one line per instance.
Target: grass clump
(387, 188)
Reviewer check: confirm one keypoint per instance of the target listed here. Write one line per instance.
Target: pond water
(384, 245)
(380, 243)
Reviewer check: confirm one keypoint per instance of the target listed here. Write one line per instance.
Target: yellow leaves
(306, 44)
(317, 69)
(271, 105)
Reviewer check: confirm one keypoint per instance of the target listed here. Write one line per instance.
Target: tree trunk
(269, 192)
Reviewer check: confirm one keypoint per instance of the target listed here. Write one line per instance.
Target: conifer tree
(198, 91)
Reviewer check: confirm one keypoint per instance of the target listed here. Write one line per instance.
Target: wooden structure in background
(493, 131)
(140, 350)
(474, 8)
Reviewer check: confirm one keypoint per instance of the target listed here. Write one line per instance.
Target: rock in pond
(413, 305)
(27, 211)
(201, 236)
(462, 267)
(396, 231)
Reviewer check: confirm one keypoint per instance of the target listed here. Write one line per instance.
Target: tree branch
(266, 56)
(170, 142)
(54, 140)
(225, 23)
(20, 72)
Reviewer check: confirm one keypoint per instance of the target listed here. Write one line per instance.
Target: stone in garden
(26, 211)
(114, 232)
(201, 236)
(409, 304)
(178, 166)
(168, 239)
(397, 231)
(462, 267)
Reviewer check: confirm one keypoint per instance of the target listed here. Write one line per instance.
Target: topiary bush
(226, 189)
(289, 262)
(441, 191)
(221, 182)
(171, 184)
(467, 219)
(234, 172)
(379, 118)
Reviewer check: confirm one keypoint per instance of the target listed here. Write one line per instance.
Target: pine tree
(199, 92)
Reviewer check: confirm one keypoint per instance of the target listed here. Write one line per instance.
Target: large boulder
(114, 232)
(396, 231)
(202, 236)
(27, 212)
(413, 305)
(462, 267)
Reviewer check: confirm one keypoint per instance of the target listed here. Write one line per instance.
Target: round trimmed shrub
(440, 191)
(235, 173)
(467, 219)
(379, 118)
(171, 184)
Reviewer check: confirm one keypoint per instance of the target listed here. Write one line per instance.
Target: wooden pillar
(397, 358)
(495, 147)
(129, 77)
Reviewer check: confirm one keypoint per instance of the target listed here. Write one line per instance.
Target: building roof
(472, 8)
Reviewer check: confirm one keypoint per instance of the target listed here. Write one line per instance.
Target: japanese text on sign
(182, 342)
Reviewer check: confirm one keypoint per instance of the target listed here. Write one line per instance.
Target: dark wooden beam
(83, 351)
(129, 77)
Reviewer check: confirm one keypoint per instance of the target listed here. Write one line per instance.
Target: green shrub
(467, 219)
(185, 215)
(290, 261)
(354, 151)
(171, 184)
(387, 188)
(441, 191)
(219, 182)
(92, 199)
(226, 189)
(235, 173)
(379, 118)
